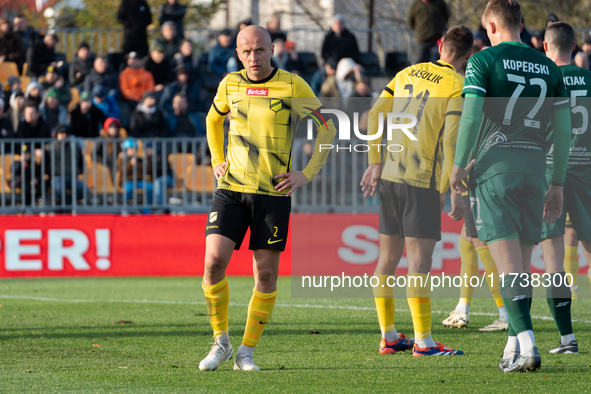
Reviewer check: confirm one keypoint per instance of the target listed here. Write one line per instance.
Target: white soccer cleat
(497, 325)
(457, 320)
(244, 362)
(217, 355)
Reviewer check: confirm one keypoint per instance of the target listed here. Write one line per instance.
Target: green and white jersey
(523, 87)
(577, 81)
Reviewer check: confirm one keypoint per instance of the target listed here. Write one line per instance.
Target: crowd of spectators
(164, 89)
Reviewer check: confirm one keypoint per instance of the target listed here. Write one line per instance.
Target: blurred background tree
(103, 14)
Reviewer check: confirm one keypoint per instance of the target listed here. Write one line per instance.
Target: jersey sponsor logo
(273, 242)
(428, 76)
(257, 92)
(495, 139)
(528, 67)
(213, 217)
(574, 81)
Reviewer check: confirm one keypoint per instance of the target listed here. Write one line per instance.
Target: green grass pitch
(147, 335)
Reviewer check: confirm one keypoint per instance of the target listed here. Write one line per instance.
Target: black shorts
(232, 213)
(409, 211)
(469, 219)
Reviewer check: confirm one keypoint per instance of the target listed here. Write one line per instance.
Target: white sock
(526, 340)
(462, 308)
(246, 349)
(511, 347)
(503, 313)
(390, 336)
(423, 343)
(567, 339)
(224, 339)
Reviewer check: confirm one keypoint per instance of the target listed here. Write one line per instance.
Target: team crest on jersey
(495, 139)
(276, 105)
(213, 217)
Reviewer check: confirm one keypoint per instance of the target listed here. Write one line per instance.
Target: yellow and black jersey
(260, 135)
(432, 93)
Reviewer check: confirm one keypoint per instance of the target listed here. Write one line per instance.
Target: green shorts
(507, 204)
(577, 203)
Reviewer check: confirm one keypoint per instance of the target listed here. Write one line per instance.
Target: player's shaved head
(457, 42)
(560, 37)
(254, 32)
(255, 50)
(506, 13)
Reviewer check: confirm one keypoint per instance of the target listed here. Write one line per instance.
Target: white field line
(318, 306)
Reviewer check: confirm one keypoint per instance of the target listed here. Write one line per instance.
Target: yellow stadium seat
(8, 69)
(200, 178)
(179, 162)
(75, 99)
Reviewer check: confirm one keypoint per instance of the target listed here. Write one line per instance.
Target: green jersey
(577, 81)
(524, 87)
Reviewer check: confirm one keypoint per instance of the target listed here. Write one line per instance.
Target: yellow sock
(259, 311)
(571, 261)
(217, 298)
(419, 301)
(491, 268)
(384, 297)
(469, 268)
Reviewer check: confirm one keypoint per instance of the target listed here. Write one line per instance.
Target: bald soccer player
(255, 181)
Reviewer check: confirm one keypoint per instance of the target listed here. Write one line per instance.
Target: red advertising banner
(111, 245)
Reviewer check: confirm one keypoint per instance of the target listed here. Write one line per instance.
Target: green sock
(559, 301)
(510, 330)
(517, 301)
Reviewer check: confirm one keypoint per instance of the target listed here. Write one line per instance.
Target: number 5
(579, 109)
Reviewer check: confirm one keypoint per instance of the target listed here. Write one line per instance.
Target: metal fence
(395, 39)
(155, 175)
(105, 41)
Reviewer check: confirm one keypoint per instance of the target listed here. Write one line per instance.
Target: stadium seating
(6, 173)
(200, 178)
(179, 162)
(8, 69)
(103, 182)
(370, 63)
(75, 99)
(309, 64)
(395, 62)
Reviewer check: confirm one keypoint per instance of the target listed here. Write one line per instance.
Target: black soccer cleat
(571, 348)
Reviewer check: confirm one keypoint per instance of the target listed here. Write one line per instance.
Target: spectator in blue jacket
(221, 53)
(187, 58)
(183, 85)
(181, 122)
(106, 103)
